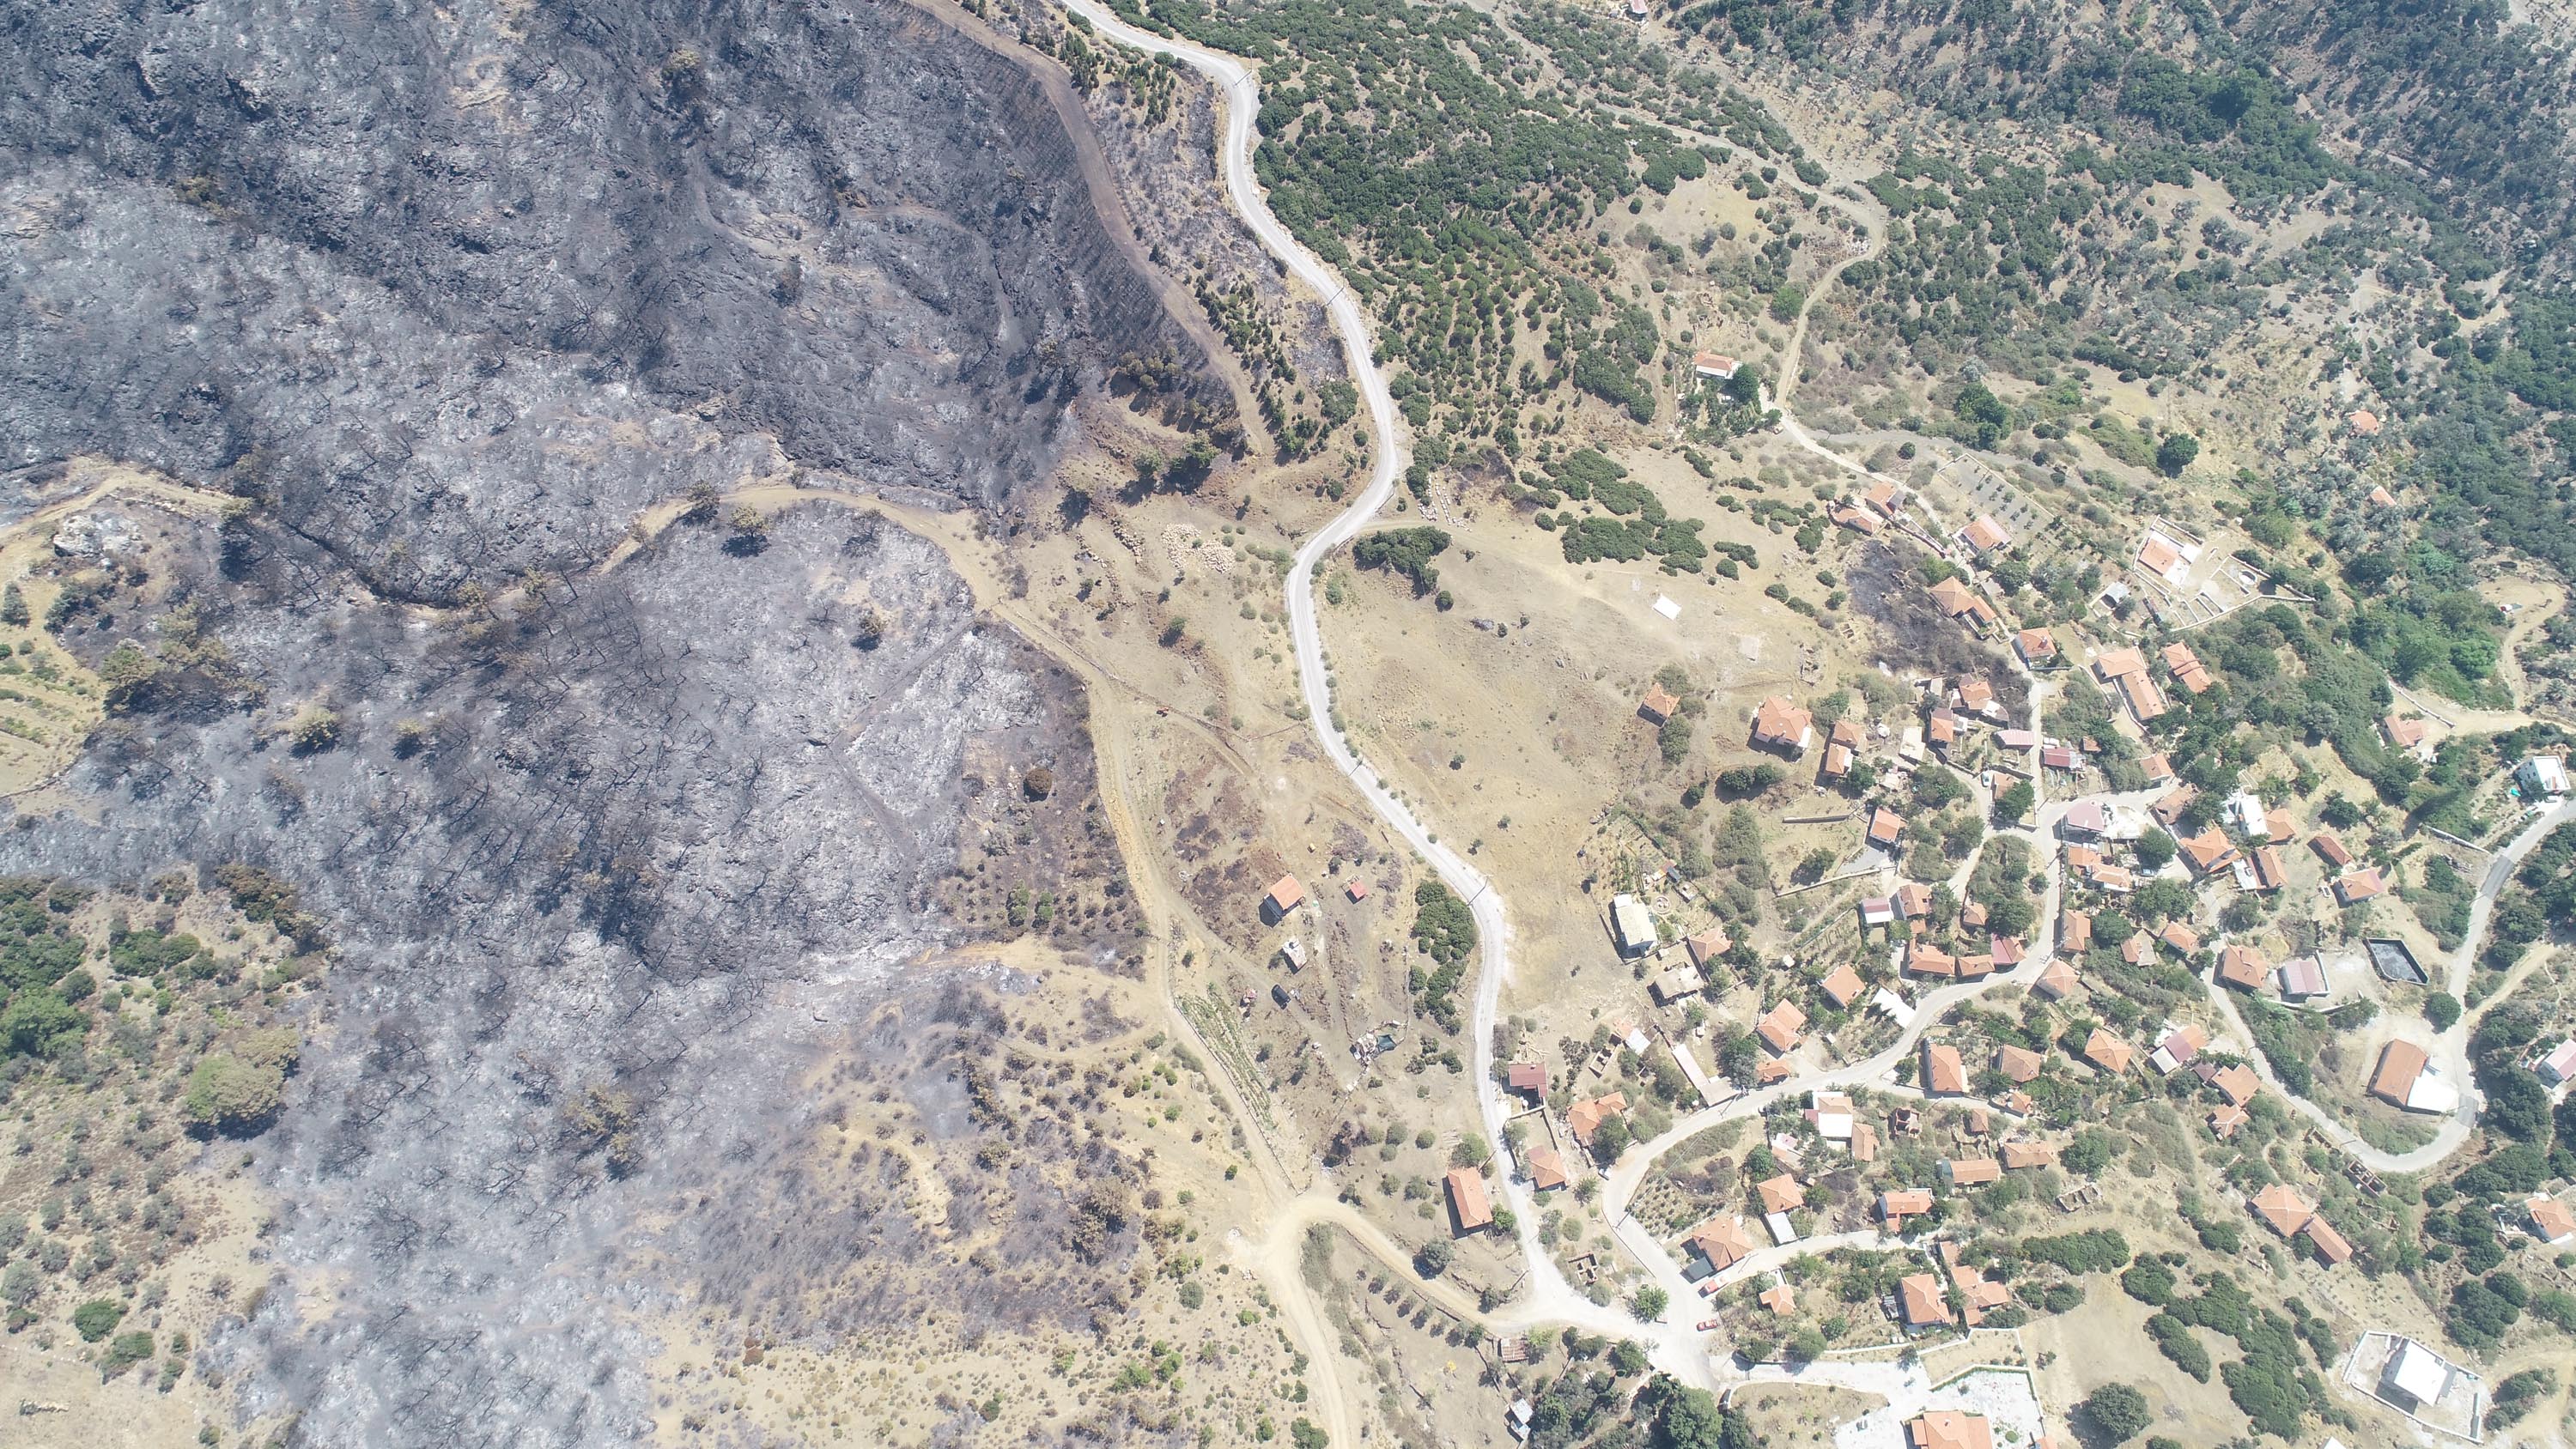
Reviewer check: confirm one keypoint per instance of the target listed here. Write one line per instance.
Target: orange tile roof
(1954, 597)
(2329, 849)
(2158, 556)
(2269, 873)
(2208, 850)
(2243, 966)
(1658, 704)
(1780, 1194)
(1864, 1144)
(2036, 644)
(1775, 1070)
(2400, 1063)
(1914, 899)
(2179, 936)
(1885, 826)
(2282, 1207)
(1706, 946)
(1943, 1071)
(2330, 1244)
(1842, 985)
(1546, 1168)
(2356, 886)
(2169, 807)
(1285, 895)
(2115, 662)
(1903, 1203)
(2363, 421)
(1854, 519)
(2018, 1063)
(2107, 1051)
(1971, 1171)
(2225, 1120)
(1921, 1302)
(2020, 1155)
(1723, 1241)
(1986, 534)
(1781, 1026)
(1781, 723)
(1780, 1298)
(1949, 1429)
(2057, 979)
(2551, 1218)
(1585, 1118)
(2238, 1083)
(1467, 1199)
(1925, 959)
(2075, 931)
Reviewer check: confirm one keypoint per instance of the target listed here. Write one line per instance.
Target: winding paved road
(1548, 1297)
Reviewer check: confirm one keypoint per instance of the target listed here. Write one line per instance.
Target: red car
(1708, 1289)
(1707, 1325)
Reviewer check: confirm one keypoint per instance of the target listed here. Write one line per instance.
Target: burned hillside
(599, 864)
(444, 284)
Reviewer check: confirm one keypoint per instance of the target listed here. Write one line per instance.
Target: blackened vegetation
(652, 825)
(1915, 637)
(1008, 1177)
(461, 292)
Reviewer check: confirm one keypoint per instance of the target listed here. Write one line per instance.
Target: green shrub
(97, 1318)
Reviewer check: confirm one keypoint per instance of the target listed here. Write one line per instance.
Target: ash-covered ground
(452, 294)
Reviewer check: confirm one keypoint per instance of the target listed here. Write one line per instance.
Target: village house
(2242, 967)
(1781, 1027)
(1842, 748)
(2269, 873)
(2551, 1221)
(1877, 911)
(1680, 983)
(1886, 497)
(2018, 1063)
(2355, 886)
(2224, 1119)
(1713, 364)
(2169, 807)
(1857, 520)
(2023, 1156)
(2330, 850)
(1722, 1242)
(2406, 1078)
(2058, 978)
(1467, 1200)
(1920, 1302)
(2036, 647)
(1944, 1074)
(1985, 535)
(2180, 937)
(2544, 776)
(1546, 1169)
(2186, 669)
(2176, 1049)
(1780, 1298)
(2301, 978)
(1706, 946)
(2208, 851)
(2558, 1065)
(1948, 1429)
(1659, 704)
(1886, 828)
(1285, 895)
(2074, 931)
(2058, 757)
(1914, 899)
(1584, 1119)
(1958, 1172)
(1783, 726)
(1527, 1078)
(1842, 985)
(2107, 1052)
(1632, 924)
(2403, 732)
(2237, 1084)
